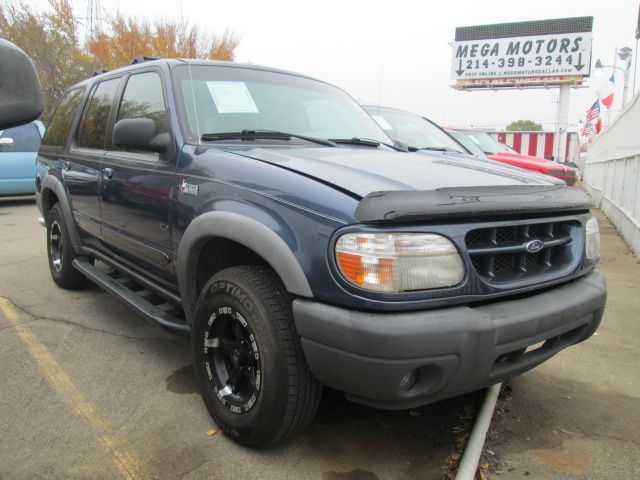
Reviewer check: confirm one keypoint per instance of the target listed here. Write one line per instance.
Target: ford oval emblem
(534, 246)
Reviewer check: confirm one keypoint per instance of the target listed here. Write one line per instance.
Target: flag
(587, 130)
(584, 133)
(605, 92)
(599, 125)
(593, 112)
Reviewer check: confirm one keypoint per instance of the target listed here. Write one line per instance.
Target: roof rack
(99, 71)
(143, 58)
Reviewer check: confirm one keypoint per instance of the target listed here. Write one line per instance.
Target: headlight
(592, 243)
(398, 262)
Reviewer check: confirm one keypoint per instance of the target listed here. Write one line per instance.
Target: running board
(140, 305)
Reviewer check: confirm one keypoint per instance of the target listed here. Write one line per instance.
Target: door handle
(107, 172)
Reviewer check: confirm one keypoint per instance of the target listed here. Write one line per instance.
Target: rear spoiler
(402, 206)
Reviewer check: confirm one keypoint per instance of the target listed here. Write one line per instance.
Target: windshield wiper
(367, 142)
(434, 149)
(246, 135)
(441, 149)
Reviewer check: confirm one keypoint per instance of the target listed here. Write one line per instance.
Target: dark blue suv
(266, 215)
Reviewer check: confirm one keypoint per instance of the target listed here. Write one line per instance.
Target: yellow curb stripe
(126, 462)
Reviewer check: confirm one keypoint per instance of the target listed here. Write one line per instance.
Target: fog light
(408, 381)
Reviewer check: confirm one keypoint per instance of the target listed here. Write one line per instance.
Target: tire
(243, 322)
(60, 252)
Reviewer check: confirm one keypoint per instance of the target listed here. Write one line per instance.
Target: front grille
(499, 254)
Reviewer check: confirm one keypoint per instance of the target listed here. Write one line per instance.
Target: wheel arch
(54, 192)
(241, 230)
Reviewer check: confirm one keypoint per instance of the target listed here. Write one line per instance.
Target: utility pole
(615, 65)
(93, 20)
(625, 54)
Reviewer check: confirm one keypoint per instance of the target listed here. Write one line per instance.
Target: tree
(524, 126)
(125, 38)
(51, 40)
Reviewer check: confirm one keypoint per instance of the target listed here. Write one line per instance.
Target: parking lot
(91, 391)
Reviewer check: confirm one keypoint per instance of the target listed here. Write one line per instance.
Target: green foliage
(524, 126)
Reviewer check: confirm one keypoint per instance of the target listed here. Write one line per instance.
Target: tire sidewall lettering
(235, 292)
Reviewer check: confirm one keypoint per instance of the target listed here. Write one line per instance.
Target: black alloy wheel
(233, 359)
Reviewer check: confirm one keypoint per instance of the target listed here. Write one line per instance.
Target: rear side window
(58, 130)
(24, 138)
(143, 98)
(93, 128)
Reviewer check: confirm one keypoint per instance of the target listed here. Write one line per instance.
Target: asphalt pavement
(89, 390)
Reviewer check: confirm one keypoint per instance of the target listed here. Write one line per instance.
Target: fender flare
(245, 231)
(55, 185)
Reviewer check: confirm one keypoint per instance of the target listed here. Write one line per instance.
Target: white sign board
(565, 54)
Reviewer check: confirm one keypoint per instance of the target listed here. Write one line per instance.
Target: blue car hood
(362, 171)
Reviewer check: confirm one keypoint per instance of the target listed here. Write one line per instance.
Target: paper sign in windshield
(232, 97)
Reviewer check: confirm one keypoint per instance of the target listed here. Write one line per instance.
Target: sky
(397, 53)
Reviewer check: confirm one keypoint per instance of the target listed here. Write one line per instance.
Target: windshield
(468, 143)
(216, 99)
(413, 130)
(487, 144)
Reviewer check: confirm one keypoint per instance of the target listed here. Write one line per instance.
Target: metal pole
(615, 65)
(471, 457)
(635, 67)
(562, 121)
(625, 91)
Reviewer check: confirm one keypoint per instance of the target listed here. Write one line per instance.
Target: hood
(529, 162)
(365, 170)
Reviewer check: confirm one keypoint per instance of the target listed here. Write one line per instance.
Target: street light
(623, 54)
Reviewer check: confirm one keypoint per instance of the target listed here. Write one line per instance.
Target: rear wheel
(60, 252)
(248, 359)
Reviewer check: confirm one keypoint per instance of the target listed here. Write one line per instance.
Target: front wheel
(248, 358)
(60, 252)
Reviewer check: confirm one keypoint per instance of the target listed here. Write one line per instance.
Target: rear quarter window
(60, 125)
(95, 119)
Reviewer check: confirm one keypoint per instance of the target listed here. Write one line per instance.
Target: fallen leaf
(212, 431)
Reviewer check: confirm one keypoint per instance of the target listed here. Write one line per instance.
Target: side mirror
(140, 134)
(20, 97)
(6, 141)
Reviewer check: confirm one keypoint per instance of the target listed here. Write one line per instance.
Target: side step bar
(131, 298)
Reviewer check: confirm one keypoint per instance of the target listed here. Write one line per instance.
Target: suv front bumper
(454, 350)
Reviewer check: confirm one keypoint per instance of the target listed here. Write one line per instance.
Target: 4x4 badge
(534, 246)
(188, 188)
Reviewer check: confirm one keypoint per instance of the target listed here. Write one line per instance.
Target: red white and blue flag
(594, 112)
(605, 92)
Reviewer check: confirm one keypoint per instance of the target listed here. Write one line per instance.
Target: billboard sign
(545, 52)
